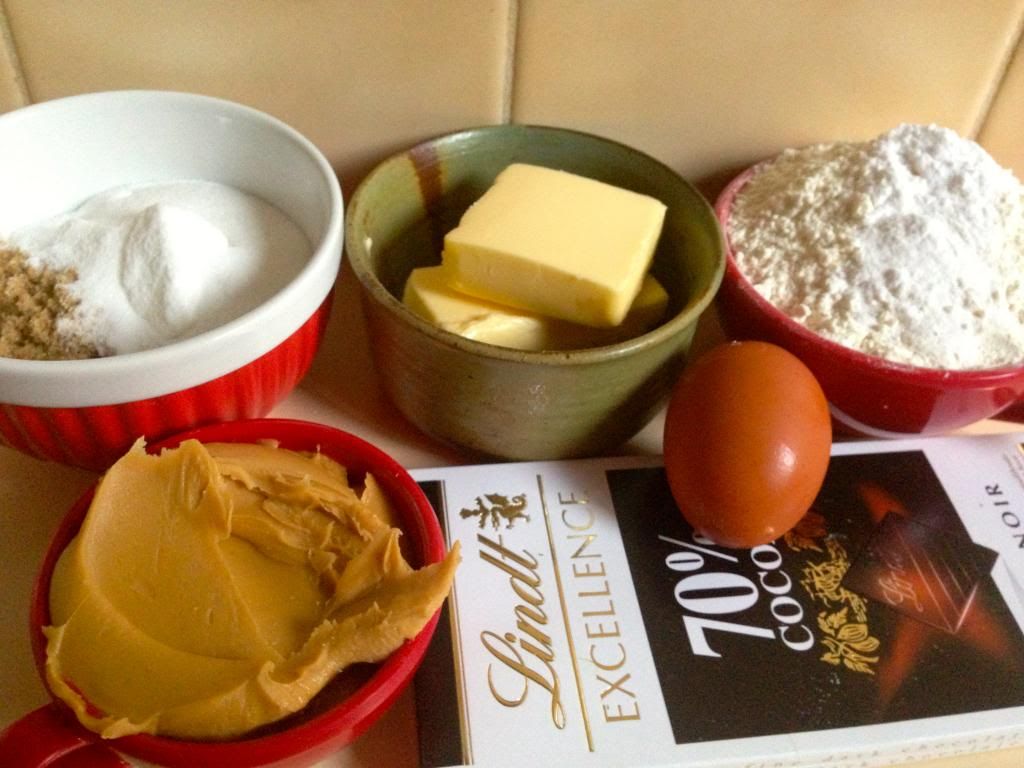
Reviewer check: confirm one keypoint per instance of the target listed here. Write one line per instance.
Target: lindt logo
(527, 652)
(497, 509)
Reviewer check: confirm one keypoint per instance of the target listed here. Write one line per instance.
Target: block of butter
(556, 244)
(429, 294)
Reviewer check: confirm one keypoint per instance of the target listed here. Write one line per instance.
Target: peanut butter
(216, 588)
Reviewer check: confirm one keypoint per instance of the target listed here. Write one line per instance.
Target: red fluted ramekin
(56, 154)
(868, 394)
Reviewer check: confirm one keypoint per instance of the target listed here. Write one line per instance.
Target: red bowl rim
(338, 726)
(920, 375)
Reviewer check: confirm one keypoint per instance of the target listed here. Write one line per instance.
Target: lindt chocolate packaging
(589, 625)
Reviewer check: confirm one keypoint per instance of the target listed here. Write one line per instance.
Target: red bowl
(94, 437)
(332, 720)
(57, 153)
(868, 394)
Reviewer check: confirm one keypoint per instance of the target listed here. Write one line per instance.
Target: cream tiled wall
(705, 86)
(711, 87)
(360, 79)
(1002, 133)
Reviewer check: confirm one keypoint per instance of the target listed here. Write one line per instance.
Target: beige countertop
(34, 496)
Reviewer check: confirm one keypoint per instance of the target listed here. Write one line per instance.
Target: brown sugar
(32, 301)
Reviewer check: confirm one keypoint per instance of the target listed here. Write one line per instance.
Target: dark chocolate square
(925, 573)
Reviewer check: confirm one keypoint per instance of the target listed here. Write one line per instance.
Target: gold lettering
(608, 667)
(502, 649)
(616, 685)
(619, 714)
(602, 631)
(600, 619)
(585, 517)
(588, 539)
(597, 593)
(507, 554)
(525, 614)
(528, 591)
(525, 581)
(572, 499)
(581, 570)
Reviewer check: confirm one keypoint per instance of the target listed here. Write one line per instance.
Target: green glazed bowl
(501, 402)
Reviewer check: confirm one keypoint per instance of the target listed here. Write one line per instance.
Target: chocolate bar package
(589, 625)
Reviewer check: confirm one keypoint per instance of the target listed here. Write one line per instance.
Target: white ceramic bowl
(56, 154)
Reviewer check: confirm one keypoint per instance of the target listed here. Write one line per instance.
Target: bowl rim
(668, 329)
(341, 724)
(194, 360)
(973, 377)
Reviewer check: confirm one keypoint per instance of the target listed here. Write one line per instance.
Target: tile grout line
(508, 84)
(13, 60)
(1014, 48)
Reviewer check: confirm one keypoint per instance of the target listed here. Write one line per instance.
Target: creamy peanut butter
(215, 588)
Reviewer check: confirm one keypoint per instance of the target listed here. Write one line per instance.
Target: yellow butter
(555, 244)
(429, 294)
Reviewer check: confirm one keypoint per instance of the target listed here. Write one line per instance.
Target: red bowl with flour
(335, 718)
(868, 394)
(59, 153)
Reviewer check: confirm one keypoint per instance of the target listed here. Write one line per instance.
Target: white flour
(909, 247)
(159, 262)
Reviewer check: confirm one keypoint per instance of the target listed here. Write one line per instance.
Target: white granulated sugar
(909, 247)
(164, 261)
(169, 260)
